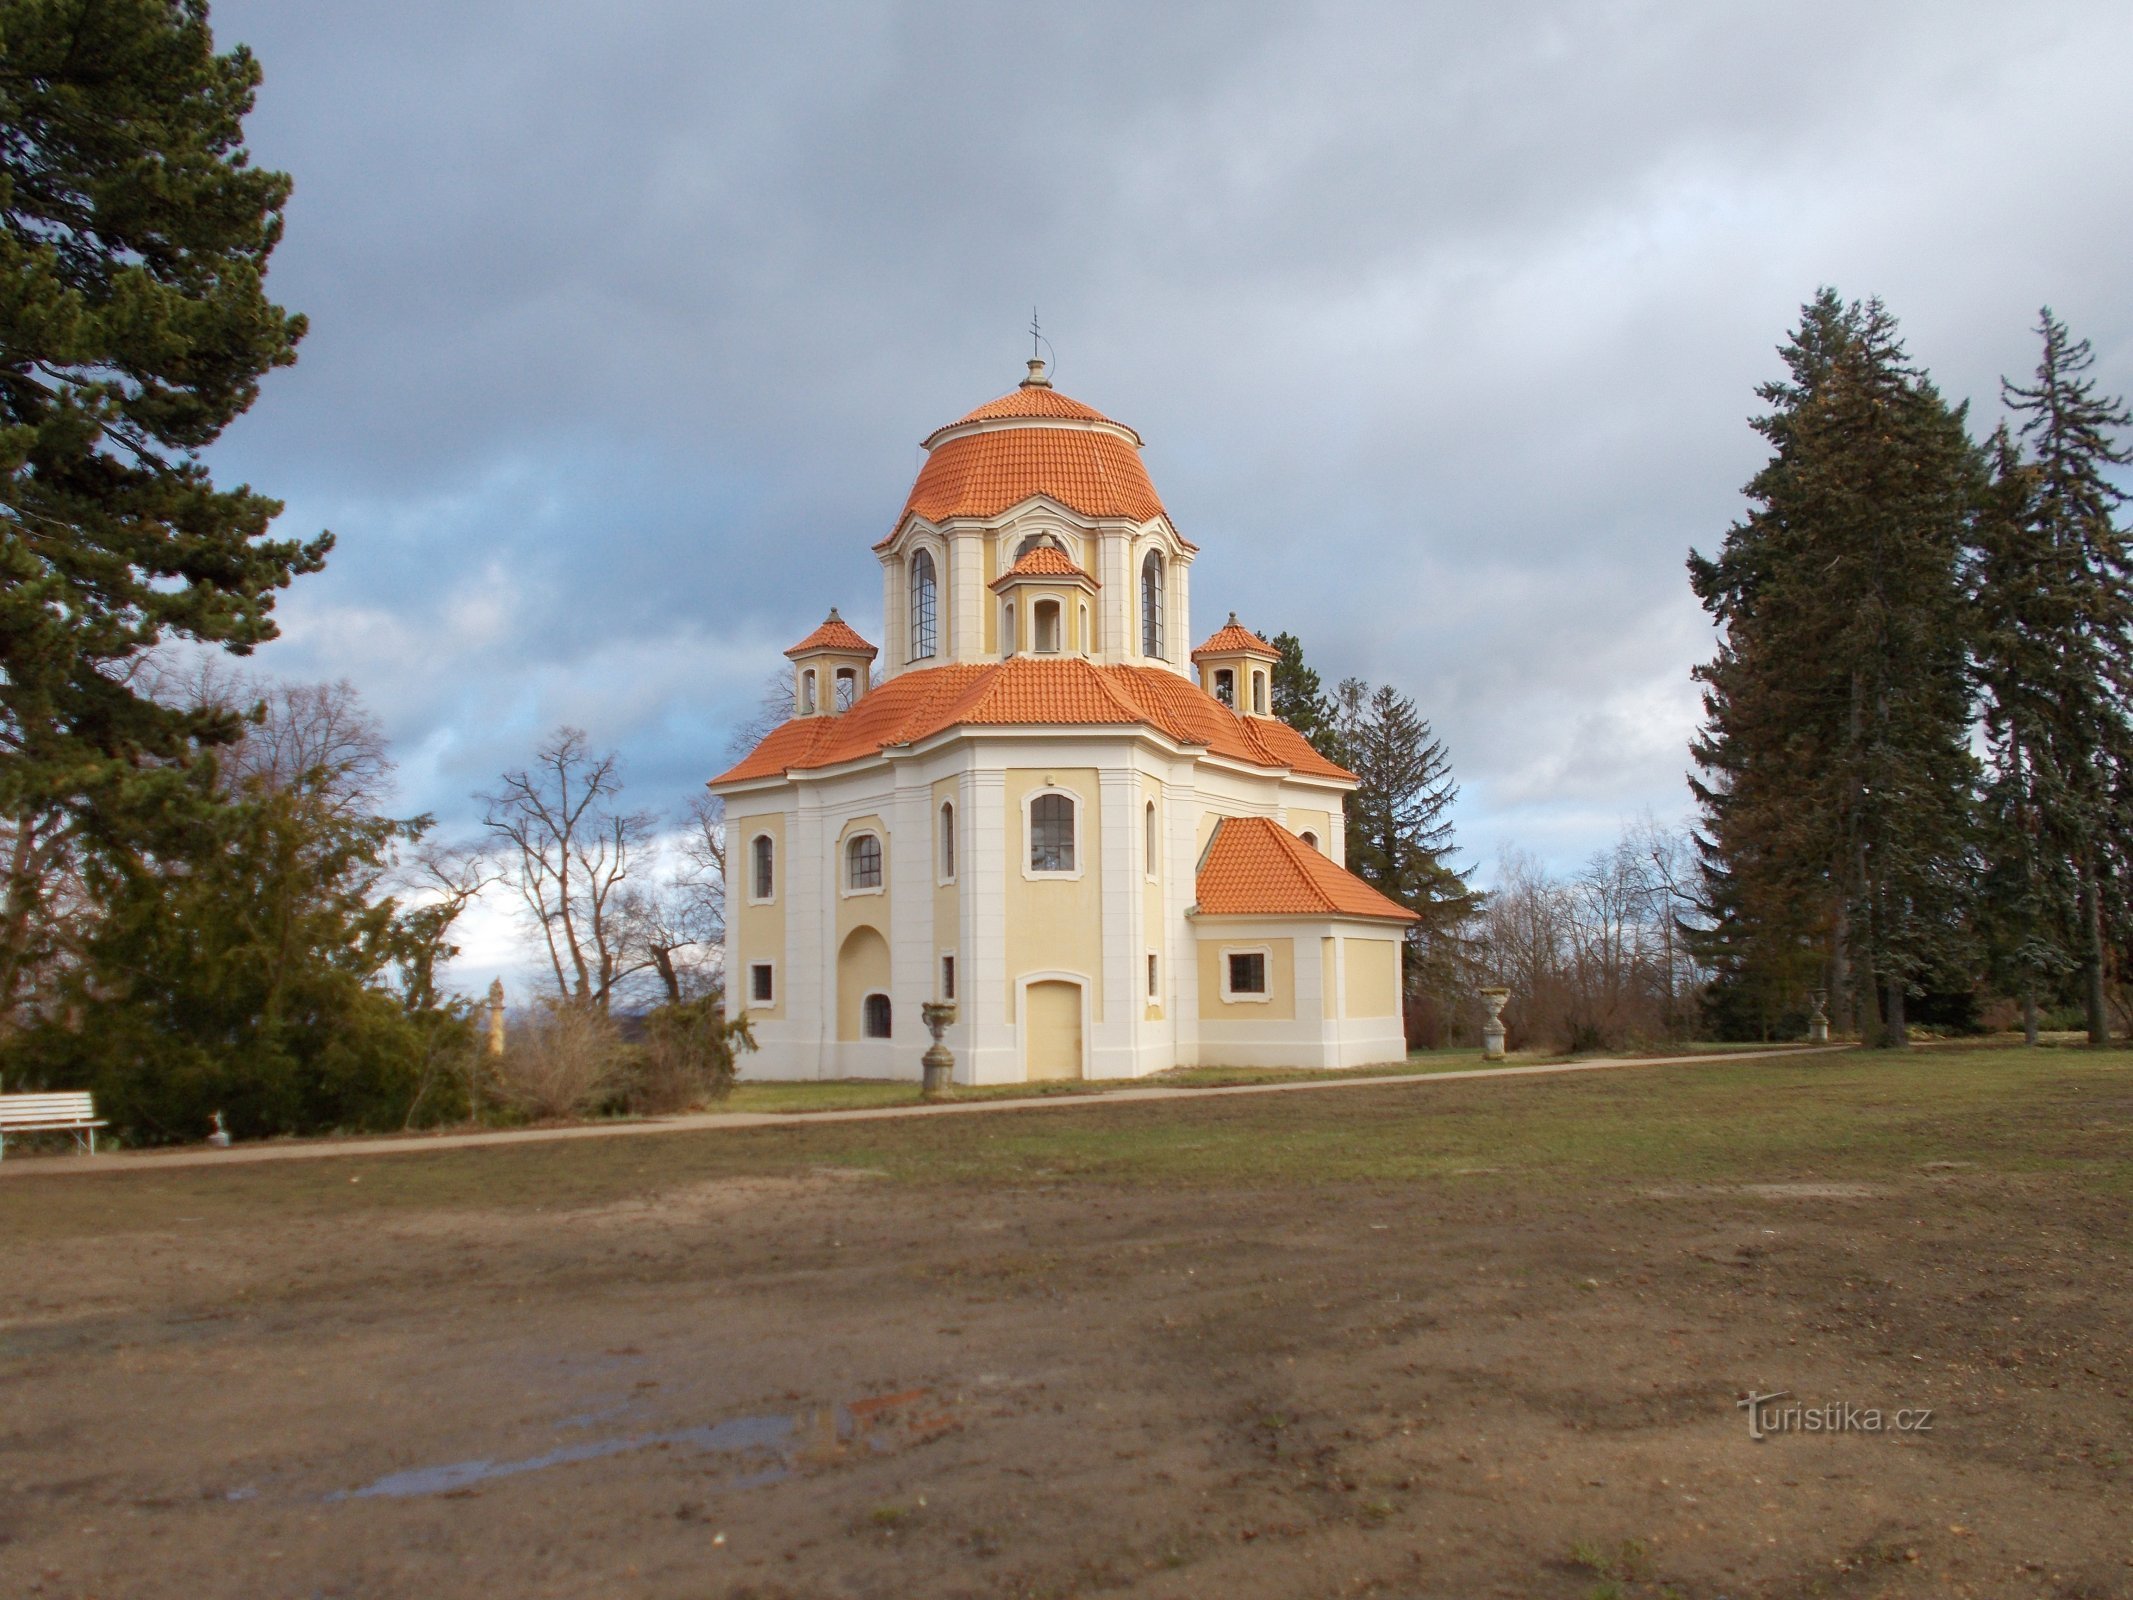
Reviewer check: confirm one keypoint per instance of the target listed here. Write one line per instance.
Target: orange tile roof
(1232, 637)
(834, 634)
(1254, 867)
(1044, 562)
(1034, 400)
(982, 474)
(1030, 691)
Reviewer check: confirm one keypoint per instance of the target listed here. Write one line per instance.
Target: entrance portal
(1051, 1030)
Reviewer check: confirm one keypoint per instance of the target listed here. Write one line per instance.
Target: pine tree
(1299, 696)
(2054, 583)
(134, 237)
(1837, 775)
(1399, 830)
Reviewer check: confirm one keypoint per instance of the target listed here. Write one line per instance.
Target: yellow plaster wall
(862, 968)
(762, 928)
(1318, 822)
(1055, 924)
(855, 909)
(1280, 1003)
(1373, 974)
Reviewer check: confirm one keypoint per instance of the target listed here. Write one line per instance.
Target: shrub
(564, 1061)
(689, 1057)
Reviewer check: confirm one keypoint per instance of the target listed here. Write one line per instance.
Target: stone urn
(1818, 1018)
(939, 1060)
(1492, 1034)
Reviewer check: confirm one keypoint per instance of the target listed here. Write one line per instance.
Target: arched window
(1226, 687)
(1152, 605)
(1039, 541)
(862, 861)
(847, 688)
(1044, 627)
(1149, 852)
(947, 842)
(807, 692)
(925, 629)
(1082, 640)
(1007, 628)
(1051, 833)
(765, 864)
(877, 1016)
(1258, 694)
(1310, 839)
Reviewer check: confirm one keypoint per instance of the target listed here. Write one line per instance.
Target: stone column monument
(1492, 1032)
(1818, 1019)
(496, 1017)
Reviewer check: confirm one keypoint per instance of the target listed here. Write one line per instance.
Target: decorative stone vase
(1492, 1032)
(939, 1060)
(1818, 1019)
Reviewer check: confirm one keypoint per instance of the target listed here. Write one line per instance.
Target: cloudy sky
(1442, 324)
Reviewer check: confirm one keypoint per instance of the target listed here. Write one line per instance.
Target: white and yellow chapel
(1037, 813)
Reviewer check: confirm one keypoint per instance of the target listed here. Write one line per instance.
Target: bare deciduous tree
(569, 850)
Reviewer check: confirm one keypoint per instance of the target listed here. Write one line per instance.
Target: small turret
(831, 668)
(1237, 668)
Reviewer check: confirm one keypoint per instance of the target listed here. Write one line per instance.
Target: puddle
(771, 1447)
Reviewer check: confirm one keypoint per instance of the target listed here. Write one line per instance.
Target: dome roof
(1032, 441)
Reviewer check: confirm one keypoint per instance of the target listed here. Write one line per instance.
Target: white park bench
(69, 1111)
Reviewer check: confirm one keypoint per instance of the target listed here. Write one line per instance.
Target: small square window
(762, 984)
(1247, 972)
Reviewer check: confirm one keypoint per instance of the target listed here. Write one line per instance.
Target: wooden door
(1051, 1028)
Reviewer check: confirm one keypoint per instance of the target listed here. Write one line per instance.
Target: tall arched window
(1152, 605)
(807, 692)
(925, 609)
(1007, 628)
(1044, 628)
(1150, 852)
(765, 867)
(1051, 833)
(947, 842)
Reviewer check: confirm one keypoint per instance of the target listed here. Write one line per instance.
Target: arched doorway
(1051, 1030)
(862, 970)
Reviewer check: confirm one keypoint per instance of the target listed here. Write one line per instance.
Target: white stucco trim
(777, 868)
(845, 889)
(1265, 953)
(1081, 851)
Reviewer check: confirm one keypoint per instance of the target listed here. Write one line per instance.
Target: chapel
(1035, 799)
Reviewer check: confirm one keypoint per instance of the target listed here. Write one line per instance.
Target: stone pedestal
(1818, 1019)
(939, 1060)
(1492, 1033)
(495, 1040)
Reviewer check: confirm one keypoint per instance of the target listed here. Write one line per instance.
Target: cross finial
(1035, 333)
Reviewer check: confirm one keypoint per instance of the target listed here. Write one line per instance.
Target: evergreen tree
(2054, 585)
(134, 327)
(1299, 696)
(1399, 831)
(1836, 771)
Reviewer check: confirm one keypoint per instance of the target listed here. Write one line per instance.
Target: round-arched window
(925, 606)
(1152, 605)
(1039, 541)
(877, 1016)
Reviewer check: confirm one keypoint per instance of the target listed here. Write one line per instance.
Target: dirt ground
(824, 1379)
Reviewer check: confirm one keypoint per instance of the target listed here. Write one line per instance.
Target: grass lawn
(1855, 1116)
(848, 1094)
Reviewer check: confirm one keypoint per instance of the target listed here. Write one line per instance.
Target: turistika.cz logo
(1766, 1417)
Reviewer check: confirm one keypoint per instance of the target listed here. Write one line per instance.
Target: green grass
(2061, 1116)
(853, 1094)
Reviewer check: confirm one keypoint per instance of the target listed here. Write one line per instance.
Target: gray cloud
(1442, 324)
